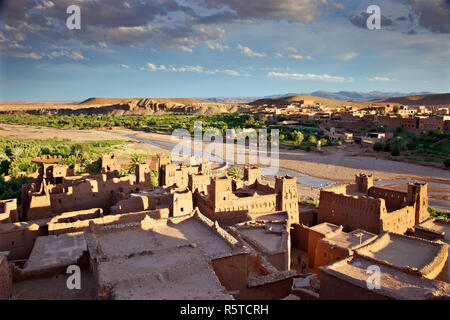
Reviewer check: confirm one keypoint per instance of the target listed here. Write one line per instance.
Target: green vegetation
(378, 146)
(235, 173)
(148, 122)
(311, 202)
(168, 123)
(432, 147)
(154, 178)
(447, 163)
(298, 137)
(16, 157)
(436, 213)
(135, 160)
(13, 188)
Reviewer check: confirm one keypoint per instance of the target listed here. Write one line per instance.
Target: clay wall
(299, 236)
(351, 212)
(398, 221)
(5, 278)
(393, 199)
(8, 211)
(20, 241)
(327, 253)
(332, 288)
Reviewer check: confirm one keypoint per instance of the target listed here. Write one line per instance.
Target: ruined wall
(19, 241)
(96, 191)
(56, 228)
(5, 278)
(8, 211)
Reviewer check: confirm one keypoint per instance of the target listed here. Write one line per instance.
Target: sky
(220, 48)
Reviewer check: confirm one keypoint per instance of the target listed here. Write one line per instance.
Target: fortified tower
(221, 191)
(168, 177)
(287, 196)
(251, 174)
(364, 182)
(418, 196)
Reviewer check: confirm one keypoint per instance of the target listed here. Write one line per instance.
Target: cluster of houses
(417, 119)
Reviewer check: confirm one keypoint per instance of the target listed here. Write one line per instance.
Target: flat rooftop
(438, 226)
(17, 226)
(162, 237)
(325, 228)
(394, 283)
(56, 250)
(350, 240)
(169, 260)
(172, 274)
(269, 241)
(405, 252)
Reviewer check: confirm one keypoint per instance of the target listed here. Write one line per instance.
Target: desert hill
(419, 100)
(113, 101)
(124, 107)
(324, 101)
(414, 100)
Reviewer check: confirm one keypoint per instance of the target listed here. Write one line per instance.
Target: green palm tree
(235, 173)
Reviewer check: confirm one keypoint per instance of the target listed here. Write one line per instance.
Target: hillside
(324, 101)
(123, 107)
(113, 101)
(418, 100)
(362, 96)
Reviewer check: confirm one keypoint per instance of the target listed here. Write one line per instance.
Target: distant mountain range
(363, 96)
(341, 96)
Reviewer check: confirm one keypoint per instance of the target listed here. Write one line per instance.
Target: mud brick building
(374, 209)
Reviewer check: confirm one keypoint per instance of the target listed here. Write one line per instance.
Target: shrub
(395, 152)
(447, 163)
(378, 146)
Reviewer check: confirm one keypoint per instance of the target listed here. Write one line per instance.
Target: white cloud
(186, 49)
(279, 55)
(250, 53)
(125, 66)
(73, 55)
(31, 55)
(348, 56)
(381, 79)
(292, 49)
(299, 57)
(196, 69)
(152, 67)
(217, 46)
(232, 73)
(309, 76)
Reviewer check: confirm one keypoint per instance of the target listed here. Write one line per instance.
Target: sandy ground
(340, 165)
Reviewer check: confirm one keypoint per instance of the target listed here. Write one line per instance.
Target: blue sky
(207, 48)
